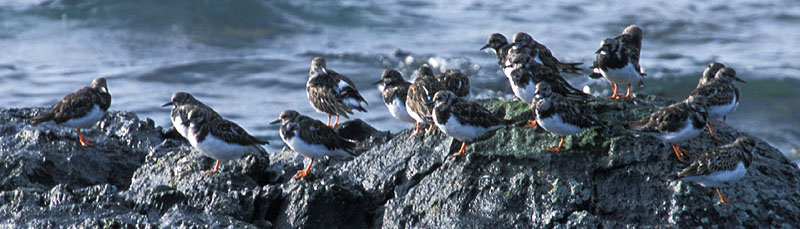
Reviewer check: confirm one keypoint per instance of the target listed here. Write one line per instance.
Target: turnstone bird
(499, 45)
(558, 115)
(527, 74)
(618, 60)
(180, 111)
(709, 73)
(455, 81)
(217, 137)
(462, 119)
(332, 93)
(81, 109)
(420, 95)
(721, 95)
(311, 138)
(676, 123)
(525, 43)
(722, 166)
(394, 92)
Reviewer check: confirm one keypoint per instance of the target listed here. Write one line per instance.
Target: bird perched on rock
(618, 60)
(455, 81)
(332, 93)
(216, 137)
(80, 109)
(311, 138)
(420, 95)
(394, 92)
(524, 43)
(721, 167)
(721, 95)
(527, 73)
(558, 115)
(676, 123)
(179, 115)
(462, 119)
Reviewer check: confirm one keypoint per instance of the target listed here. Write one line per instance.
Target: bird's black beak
(167, 104)
(739, 79)
(275, 122)
(485, 47)
(378, 82)
(429, 103)
(605, 47)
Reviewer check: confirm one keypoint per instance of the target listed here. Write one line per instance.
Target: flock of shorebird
(440, 100)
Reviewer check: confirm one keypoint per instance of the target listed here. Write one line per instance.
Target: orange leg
(216, 168)
(531, 124)
(337, 121)
(329, 120)
(557, 148)
(432, 127)
(304, 172)
(722, 199)
(627, 93)
(83, 140)
(723, 121)
(712, 132)
(614, 91)
(416, 130)
(680, 153)
(462, 150)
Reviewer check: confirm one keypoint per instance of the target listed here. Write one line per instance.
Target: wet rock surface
(604, 177)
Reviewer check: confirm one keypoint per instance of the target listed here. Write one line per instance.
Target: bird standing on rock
(80, 109)
(332, 93)
(394, 92)
(558, 115)
(462, 119)
(618, 60)
(527, 73)
(216, 137)
(420, 95)
(721, 95)
(721, 167)
(182, 103)
(676, 123)
(311, 138)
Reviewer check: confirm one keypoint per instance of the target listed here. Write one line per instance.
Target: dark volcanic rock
(132, 177)
(42, 156)
(604, 177)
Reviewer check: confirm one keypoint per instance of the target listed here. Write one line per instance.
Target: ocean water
(249, 59)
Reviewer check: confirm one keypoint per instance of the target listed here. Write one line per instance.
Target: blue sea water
(249, 59)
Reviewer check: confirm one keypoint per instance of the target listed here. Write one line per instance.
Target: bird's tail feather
(570, 67)
(42, 118)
